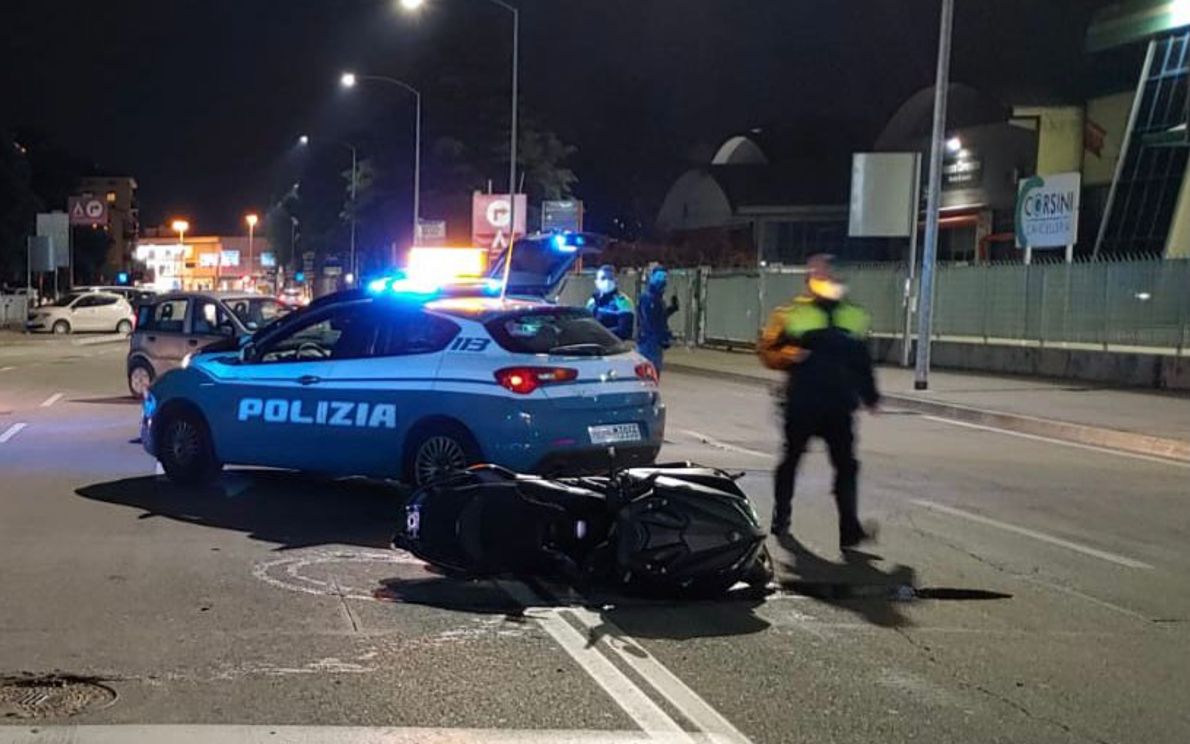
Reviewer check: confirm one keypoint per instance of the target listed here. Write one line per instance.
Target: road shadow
(111, 400)
(291, 510)
(621, 614)
(733, 614)
(856, 584)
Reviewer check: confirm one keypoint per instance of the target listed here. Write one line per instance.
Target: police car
(385, 383)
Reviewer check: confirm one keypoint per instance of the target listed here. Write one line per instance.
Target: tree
(18, 206)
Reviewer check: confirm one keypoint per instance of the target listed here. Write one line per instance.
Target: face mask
(605, 286)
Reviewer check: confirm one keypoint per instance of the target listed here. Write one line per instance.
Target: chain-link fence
(1141, 304)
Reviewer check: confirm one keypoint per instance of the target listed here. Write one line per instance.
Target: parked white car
(83, 311)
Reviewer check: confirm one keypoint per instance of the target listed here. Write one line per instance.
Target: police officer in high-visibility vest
(610, 306)
(819, 341)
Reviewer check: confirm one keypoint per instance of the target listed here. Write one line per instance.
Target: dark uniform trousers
(834, 427)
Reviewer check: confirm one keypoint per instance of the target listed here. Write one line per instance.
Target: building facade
(206, 262)
(123, 221)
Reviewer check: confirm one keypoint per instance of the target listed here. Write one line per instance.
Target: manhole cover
(51, 697)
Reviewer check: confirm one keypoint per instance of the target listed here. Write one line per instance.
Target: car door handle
(308, 380)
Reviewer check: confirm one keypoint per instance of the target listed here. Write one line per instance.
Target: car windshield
(256, 312)
(67, 300)
(567, 331)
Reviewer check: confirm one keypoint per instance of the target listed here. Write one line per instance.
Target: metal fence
(12, 311)
(1124, 305)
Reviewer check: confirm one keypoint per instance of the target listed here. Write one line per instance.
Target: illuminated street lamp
(251, 218)
(349, 80)
(413, 5)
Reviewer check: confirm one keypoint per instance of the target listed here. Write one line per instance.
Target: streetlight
(350, 79)
(251, 218)
(180, 227)
(412, 5)
(305, 140)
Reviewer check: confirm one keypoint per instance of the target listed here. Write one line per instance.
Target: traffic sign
(491, 217)
(562, 216)
(88, 211)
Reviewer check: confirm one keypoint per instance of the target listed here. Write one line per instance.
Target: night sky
(200, 100)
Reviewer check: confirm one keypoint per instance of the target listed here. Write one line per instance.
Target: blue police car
(379, 384)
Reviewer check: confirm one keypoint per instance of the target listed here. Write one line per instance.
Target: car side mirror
(248, 352)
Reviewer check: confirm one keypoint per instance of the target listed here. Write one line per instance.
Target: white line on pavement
(724, 445)
(11, 432)
(1078, 548)
(51, 400)
(250, 734)
(5, 369)
(1049, 440)
(666, 683)
(631, 699)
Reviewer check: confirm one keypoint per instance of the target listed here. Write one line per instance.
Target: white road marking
(51, 400)
(249, 734)
(1119, 560)
(157, 469)
(11, 432)
(631, 699)
(5, 369)
(1050, 440)
(666, 683)
(724, 445)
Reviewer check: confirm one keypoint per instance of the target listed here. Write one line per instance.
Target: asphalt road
(1051, 595)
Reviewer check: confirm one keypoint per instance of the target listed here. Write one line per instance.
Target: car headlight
(186, 361)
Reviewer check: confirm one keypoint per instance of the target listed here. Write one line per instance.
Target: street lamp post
(251, 218)
(180, 227)
(349, 80)
(412, 5)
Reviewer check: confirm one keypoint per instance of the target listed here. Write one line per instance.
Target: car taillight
(646, 371)
(524, 380)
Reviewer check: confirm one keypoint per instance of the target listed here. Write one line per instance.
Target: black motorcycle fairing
(687, 534)
(488, 521)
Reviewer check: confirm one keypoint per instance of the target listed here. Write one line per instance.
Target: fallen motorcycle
(667, 530)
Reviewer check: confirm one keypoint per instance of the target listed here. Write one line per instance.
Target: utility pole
(354, 181)
(925, 295)
(516, 51)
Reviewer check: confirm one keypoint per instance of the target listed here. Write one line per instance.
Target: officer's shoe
(859, 535)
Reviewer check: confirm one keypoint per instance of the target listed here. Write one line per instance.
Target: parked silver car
(173, 325)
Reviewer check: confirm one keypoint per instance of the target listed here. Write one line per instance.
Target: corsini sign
(1047, 211)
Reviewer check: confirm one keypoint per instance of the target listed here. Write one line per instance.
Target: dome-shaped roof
(740, 150)
(965, 107)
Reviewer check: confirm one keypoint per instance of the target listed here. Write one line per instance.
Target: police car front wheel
(439, 451)
(185, 451)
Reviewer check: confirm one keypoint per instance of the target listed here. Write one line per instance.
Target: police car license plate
(614, 433)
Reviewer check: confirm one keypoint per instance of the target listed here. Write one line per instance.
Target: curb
(1174, 450)
(109, 339)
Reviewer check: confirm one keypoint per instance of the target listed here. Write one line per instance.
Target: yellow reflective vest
(778, 346)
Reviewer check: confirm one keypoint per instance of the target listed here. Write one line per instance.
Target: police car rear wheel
(439, 452)
(185, 450)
